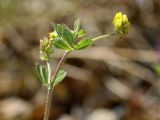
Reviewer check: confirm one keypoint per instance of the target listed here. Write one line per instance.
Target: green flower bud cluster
(45, 49)
(121, 24)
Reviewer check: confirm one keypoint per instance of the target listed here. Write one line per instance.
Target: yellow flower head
(45, 49)
(121, 24)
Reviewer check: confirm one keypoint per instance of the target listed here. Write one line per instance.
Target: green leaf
(76, 27)
(64, 33)
(59, 29)
(43, 73)
(84, 43)
(39, 70)
(81, 33)
(60, 76)
(62, 44)
(67, 35)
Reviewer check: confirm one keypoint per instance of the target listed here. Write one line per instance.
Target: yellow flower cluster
(52, 35)
(121, 24)
(46, 46)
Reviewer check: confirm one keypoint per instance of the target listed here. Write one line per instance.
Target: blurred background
(113, 80)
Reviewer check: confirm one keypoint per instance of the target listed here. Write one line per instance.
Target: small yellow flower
(52, 35)
(45, 49)
(121, 24)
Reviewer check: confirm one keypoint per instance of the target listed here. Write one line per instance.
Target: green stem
(58, 67)
(103, 36)
(50, 89)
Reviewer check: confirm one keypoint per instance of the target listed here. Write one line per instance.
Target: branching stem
(50, 89)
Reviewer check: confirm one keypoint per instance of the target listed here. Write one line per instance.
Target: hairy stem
(103, 36)
(50, 89)
(48, 103)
